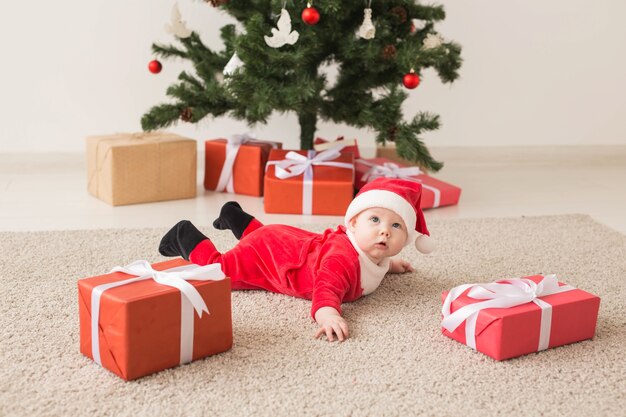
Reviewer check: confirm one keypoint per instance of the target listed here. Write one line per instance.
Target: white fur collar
(371, 273)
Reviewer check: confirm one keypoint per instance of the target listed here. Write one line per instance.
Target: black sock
(180, 240)
(233, 218)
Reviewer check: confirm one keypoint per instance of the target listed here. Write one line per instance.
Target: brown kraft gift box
(130, 168)
(389, 151)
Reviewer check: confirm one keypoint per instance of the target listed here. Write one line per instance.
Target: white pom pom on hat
(425, 244)
(400, 196)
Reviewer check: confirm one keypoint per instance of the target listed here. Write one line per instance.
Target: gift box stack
(144, 318)
(321, 181)
(514, 317)
(159, 166)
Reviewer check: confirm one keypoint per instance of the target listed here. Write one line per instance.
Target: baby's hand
(330, 321)
(399, 266)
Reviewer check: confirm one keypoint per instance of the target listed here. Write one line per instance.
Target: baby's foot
(233, 218)
(226, 213)
(180, 240)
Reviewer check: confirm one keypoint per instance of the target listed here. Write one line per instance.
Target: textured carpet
(396, 363)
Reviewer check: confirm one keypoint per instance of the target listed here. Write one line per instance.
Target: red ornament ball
(155, 66)
(411, 80)
(310, 15)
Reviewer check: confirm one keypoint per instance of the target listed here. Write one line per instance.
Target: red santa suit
(327, 268)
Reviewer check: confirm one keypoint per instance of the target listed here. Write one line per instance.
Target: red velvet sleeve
(337, 275)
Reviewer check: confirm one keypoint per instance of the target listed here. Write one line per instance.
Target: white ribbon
(502, 294)
(233, 145)
(174, 277)
(327, 145)
(391, 170)
(295, 164)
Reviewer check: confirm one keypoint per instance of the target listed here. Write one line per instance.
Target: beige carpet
(396, 363)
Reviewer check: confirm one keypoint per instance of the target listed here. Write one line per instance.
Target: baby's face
(379, 232)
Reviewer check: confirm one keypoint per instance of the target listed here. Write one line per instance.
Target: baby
(330, 268)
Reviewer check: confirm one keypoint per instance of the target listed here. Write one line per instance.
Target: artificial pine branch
(449, 64)
(425, 121)
(160, 116)
(183, 92)
(409, 146)
(431, 12)
(167, 51)
(195, 83)
(367, 92)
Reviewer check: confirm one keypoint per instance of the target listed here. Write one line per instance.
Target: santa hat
(400, 196)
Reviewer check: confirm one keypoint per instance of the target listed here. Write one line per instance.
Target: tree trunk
(308, 122)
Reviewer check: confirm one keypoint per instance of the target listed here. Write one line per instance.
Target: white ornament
(432, 41)
(367, 29)
(233, 65)
(177, 27)
(418, 24)
(284, 35)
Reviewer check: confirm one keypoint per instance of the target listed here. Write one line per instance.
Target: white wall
(535, 73)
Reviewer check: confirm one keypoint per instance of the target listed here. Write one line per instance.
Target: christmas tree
(274, 65)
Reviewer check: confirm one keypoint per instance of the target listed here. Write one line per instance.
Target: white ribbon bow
(173, 277)
(232, 149)
(391, 170)
(295, 164)
(502, 294)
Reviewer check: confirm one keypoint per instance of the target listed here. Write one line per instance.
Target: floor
(48, 191)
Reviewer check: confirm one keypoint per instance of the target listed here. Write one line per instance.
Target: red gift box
(514, 317)
(143, 327)
(312, 183)
(350, 145)
(435, 193)
(246, 164)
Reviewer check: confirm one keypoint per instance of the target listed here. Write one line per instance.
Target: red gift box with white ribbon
(309, 182)
(513, 317)
(142, 318)
(435, 193)
(237, 164)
